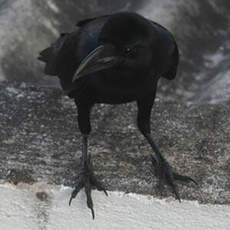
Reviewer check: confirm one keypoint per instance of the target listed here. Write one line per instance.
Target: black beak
(102, 57)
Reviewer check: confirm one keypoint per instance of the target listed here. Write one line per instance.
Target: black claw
(89, 198)
(165, 174)
(73, 195)
(97, 184)
(102, 189)
(105, 192)
(184, 178)
(87, 179)
(93, 215)
(70, 200)
(175, 191)
(75, 192)
(169, 177)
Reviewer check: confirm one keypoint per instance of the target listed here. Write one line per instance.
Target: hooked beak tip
(99, 59)
(76, 76)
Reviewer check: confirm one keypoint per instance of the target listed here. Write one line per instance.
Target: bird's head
(125, 44)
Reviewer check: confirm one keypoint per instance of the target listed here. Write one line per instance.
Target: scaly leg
(163, 170)
(86, 177)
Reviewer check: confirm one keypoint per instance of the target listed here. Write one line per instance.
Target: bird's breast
(118, 89)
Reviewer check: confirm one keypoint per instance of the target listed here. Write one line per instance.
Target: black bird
(114, 59)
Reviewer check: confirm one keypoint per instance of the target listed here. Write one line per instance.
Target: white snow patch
(21, 209)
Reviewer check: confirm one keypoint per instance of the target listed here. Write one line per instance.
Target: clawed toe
(184, 178)
(88, 180)
(75, 192)
(97, 184)
(165, 174)
(89, 198)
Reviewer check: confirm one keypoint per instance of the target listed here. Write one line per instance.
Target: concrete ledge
(40, 206)
(40, 142)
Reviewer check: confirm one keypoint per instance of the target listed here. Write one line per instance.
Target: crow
(114, 59)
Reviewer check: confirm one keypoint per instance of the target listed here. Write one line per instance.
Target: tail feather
(45, 55)
(52, 55)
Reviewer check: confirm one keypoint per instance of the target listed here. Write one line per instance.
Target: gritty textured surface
(21, 209)
(40, 141)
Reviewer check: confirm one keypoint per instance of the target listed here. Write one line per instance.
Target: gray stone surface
(40, 141)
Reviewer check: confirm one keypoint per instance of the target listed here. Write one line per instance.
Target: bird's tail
(45, 55)
(51, 56)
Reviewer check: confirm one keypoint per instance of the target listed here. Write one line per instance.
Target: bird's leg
(86, 177)
(162, 168)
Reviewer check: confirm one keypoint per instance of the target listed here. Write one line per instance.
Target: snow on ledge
(42, 206)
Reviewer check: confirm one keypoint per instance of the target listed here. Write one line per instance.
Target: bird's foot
(87, 179)
(166, 175)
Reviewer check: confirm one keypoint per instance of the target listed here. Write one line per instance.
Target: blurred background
(201, 28)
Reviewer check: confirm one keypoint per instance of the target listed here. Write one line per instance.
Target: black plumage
(114, 59)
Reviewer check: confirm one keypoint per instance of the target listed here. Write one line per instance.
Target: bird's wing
(60, 55)
(171, 57)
